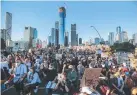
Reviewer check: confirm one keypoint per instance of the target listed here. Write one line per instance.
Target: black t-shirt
(108, 74)
(3, 75)
(51, 74)
(113, 81)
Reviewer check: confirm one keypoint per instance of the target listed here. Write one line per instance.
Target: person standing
(72, 78)
(80, 69)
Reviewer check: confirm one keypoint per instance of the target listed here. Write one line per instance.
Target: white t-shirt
(4, 64)
(28, 65)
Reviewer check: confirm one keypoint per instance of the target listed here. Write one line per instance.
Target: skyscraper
(76, 39)
(97, 41)
(49, 40)
(29, 35)
(66, 39)
(3, 34)
(118, 34)
(73, 34)
(62, 15)
(57, 25)
(52, 36)
(30, 32)
(124, 36)
(80, 41)
(135, 39)
(56, 33)
(8, 25)
(111, 38)
(35, 34)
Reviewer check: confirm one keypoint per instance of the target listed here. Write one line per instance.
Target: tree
(126, 47)
(3, 44)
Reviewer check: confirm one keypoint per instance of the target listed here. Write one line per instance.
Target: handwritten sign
(91, 77)
(58, 56)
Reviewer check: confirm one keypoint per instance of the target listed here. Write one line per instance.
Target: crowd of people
(63, 75)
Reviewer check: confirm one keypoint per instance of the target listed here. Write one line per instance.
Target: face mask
(30, 72)
(17, 64)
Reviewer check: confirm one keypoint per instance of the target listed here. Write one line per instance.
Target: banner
(90, 77)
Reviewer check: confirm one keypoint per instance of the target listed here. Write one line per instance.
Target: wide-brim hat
(70, 66)
(51, 67)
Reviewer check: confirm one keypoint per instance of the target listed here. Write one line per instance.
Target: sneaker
(35, 90)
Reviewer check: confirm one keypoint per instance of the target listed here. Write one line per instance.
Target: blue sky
(105, 16)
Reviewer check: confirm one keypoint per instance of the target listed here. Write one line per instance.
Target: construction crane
(98, 33)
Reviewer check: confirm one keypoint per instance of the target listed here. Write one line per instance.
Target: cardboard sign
(91, 77)
(58, 56)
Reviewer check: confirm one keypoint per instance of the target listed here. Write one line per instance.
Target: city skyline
(105, 16)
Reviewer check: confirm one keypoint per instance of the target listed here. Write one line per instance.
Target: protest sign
(91, 77)
(58, 56)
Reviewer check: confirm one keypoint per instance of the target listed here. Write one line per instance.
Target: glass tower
(111, 38)
(62, 15)
(118, 35)
(8, 24)
(35, 35)
(73, 35)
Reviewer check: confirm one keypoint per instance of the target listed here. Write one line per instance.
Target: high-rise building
(118, 35)
(52, 36)
(8, 25)
(111, 38)
(29, 35)
(56, 37)
(57, 25)
(49, 40)
(80, 41)
(3, 34)
(97, 41)
(76, 39)
(35, 34)
(19, 45)
(62, 15)
(124, 36)
(135, 39)
(73, 34)
(34, 43)
(66, 39)
(56, 33)
(90, 41)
